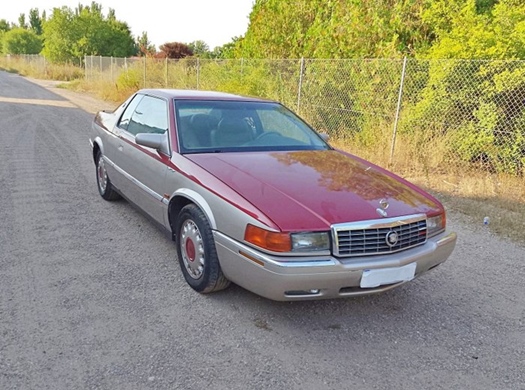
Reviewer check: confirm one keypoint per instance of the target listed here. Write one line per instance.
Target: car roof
(189, 94)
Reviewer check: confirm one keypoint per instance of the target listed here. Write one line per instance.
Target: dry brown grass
(41, 70)
(475, 195)
(101, 89)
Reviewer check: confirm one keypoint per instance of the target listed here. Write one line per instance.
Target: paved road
(91, 296)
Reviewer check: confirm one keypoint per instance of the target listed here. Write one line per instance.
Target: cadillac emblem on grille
(391, 238)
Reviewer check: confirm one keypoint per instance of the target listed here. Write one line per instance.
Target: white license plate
(379, 277)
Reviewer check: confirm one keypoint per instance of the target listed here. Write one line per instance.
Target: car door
(144, 168)
(113, 144)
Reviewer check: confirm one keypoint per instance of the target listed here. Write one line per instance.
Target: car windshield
(238, 126)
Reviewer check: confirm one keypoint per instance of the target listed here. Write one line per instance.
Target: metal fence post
(300, 87)
(198, 72)
(144, 72)
(166, 75)
(85, 67)
(242, 67)
(398, 109)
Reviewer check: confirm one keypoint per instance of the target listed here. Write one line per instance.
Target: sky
(215, 22)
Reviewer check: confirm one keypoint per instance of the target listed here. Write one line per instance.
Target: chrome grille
(379, 236)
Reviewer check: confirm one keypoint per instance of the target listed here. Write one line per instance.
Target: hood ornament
(381, 210)
(382, 213)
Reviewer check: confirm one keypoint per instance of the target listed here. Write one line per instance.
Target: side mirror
(154, 141)
(324, 136)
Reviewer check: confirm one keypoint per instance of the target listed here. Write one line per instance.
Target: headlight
(436, 224)
(310, 242)
(286, 242)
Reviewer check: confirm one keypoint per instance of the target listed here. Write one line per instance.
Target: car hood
(310, 190)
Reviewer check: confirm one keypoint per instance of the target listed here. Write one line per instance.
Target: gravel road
(91, 295)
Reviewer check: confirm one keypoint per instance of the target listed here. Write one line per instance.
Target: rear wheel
(105, 188)
(196, 251)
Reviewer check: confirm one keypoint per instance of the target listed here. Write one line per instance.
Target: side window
(149, 116)
(124, 120)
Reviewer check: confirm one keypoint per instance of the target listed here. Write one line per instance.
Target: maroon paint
(311, 190)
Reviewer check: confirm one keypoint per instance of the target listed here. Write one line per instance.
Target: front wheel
(105, 188)
(196, 251)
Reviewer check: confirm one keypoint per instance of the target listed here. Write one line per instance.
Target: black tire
(197, 253)
(105, 188)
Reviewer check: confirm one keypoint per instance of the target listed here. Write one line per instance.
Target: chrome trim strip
(108, 161)
(448, 238)
(379, 223)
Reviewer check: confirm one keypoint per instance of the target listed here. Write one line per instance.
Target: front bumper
(280, 279)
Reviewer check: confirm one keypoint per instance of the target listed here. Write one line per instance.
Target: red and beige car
(251, 194)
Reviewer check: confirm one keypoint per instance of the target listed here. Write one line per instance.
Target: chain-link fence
(37, 66)
(411, 115)
(34, 60)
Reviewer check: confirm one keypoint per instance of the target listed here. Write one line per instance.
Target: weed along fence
(421, 118)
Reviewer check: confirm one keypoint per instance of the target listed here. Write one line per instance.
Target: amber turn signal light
(272, 241)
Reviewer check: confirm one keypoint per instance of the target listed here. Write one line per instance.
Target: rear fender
(97, 145)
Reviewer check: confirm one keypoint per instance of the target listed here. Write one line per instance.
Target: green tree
(4, 25)
(357, 28)
(228, 50)
(476, 102)
(22, 21)
(118, 41)
(200, 49)
(35, 21)
(144, 45)
(71, 34)
(335, 29)
(60, 36)
(21, 41)
(499, 34)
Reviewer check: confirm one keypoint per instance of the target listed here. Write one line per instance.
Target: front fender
(199, 201)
